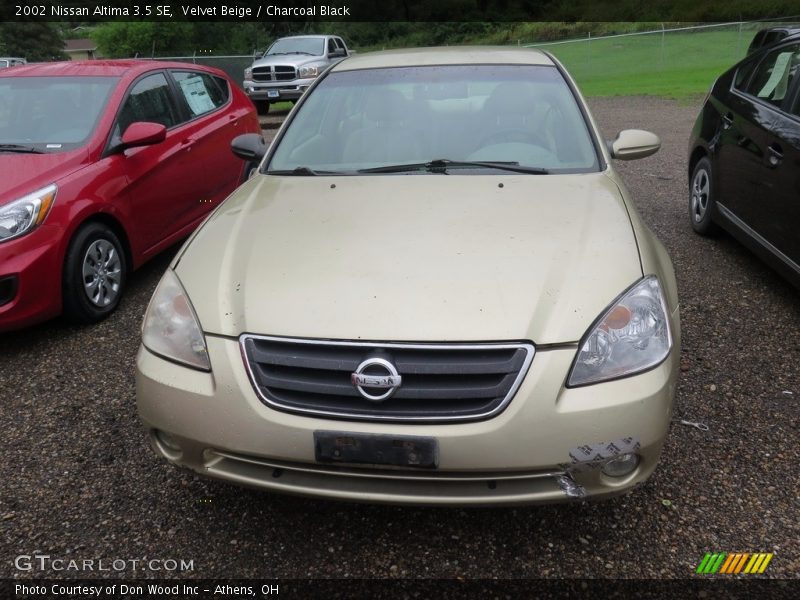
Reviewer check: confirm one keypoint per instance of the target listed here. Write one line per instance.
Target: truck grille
(274, 73)
(440, 382)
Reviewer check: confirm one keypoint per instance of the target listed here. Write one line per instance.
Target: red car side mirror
(143, 133)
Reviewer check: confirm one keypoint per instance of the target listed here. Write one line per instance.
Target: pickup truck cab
(10, 61)
(289, 66)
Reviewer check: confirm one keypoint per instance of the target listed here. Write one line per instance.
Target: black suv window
(774, 75)
(743, 75)
(201, 92)
(331, 45)
(149, 100)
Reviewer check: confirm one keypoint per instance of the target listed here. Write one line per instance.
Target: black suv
(744, 156)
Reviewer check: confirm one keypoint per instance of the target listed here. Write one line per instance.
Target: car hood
(296, 60)
(413, 258)
(25, 173)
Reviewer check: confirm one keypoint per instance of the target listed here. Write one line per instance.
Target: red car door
(164, 182)
(214, 122)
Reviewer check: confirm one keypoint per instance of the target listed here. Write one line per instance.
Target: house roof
(79, 45)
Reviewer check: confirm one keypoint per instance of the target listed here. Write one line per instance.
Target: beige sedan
(435, 289)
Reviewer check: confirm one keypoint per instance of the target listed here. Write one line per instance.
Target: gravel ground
(80, 482)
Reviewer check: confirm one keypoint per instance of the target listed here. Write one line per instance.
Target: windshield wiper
(19, 148)
(440, 165)
(304, 171)
(299, 52)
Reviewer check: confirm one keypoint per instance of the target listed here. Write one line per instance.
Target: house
(81, 49)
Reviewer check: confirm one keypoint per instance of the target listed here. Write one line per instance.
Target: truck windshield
(448, 117)
(51, 114)
(313, 46)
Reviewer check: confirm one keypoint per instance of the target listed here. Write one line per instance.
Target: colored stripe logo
(730, 563)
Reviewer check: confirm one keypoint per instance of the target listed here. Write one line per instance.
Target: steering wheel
(511, 135)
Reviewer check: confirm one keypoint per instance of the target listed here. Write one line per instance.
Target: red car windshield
(50, 114)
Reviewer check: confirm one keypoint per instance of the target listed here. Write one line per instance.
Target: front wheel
(262, 106)
(702, 203)
(95, 272)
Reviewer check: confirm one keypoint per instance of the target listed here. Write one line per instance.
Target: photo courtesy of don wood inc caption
(184, 590)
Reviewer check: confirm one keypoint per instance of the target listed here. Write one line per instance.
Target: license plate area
(273, 93)
(368, 449)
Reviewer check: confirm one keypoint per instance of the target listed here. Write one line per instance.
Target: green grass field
(679, 66)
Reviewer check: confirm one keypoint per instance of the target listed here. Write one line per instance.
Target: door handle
(775, 154)
(727, 121)
(187, 143)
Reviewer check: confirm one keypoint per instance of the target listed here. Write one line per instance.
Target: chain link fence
(670, 62)
(233, 65)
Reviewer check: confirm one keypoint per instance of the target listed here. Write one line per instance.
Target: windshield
(313, 46)
(51, 114)
(417, 116)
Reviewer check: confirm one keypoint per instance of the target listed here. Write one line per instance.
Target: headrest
(387, 106)
(510, 98)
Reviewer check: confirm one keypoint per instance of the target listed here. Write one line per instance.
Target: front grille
(440, 382)
(274, 73)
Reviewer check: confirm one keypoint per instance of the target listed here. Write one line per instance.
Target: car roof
(450, 55)
(308, 35)
(789, 29)
(97, 68)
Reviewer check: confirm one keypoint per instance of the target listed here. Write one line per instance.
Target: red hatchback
(102, 165)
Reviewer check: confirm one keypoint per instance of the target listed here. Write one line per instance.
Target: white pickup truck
(289, 66)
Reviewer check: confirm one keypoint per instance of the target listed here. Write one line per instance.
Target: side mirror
(631, 144)
(338, 53)
(142, 133)
(249, 146)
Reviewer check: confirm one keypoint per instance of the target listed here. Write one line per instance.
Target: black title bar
(396, 10)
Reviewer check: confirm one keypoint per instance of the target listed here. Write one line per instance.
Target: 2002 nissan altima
(434, 290)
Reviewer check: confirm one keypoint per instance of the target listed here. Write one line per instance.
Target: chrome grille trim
(274, 73)
(298, 393)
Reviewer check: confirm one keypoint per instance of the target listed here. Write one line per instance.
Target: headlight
(22, 216)
(248, 73)
(632, 336)
(306, 72)
(171, 328)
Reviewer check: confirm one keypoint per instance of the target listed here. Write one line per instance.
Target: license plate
(361, 448)
(273, 93)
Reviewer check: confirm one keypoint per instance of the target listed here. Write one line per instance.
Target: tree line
(406, 23)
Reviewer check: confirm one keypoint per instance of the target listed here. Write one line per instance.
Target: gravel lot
(79, 480)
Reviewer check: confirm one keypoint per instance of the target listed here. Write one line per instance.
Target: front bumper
(30, 272)
(286, 90)
(217, 426)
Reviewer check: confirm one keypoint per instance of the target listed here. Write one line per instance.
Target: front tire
(95, 273)
(702, 202)
(262, 106)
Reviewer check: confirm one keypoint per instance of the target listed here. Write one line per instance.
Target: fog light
(167, 441)
(622, 465)
(8, 289)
